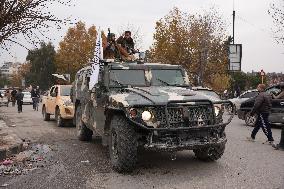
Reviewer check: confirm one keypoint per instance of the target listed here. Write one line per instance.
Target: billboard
(235, 57)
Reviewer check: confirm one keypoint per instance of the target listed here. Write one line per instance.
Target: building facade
(8, 69)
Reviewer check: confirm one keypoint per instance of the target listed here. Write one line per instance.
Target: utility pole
(234, 15)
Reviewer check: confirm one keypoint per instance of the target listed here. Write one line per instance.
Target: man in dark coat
(13, 96)
(262, 107)
(19, 98)
(127, 42)
(35, 97)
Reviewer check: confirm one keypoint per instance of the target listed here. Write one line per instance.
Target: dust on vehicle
(148, 105)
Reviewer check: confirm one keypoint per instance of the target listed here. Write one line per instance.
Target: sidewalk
(10, 143)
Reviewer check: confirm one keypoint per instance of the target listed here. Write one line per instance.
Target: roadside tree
(27, 20)
(197, 42)
(23, 73)
(41, 66)
(277, 13)
(76, 49)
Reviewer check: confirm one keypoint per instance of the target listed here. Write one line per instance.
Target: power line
(255, 26)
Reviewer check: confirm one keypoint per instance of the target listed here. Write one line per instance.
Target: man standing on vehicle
(262, 107)
(127, 42)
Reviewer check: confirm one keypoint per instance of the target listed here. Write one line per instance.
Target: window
(65, 90)
(167, 77)
(274, 90)
(127, 77)
(249, 94)
(51, 90)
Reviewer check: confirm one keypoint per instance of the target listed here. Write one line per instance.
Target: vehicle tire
(8, 105)
(210, 153)
(46, 116)
(58, 118)
(250, 120)
(83, 132)
(122, 145)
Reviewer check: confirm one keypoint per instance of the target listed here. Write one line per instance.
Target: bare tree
(30, 19)
(277, 12)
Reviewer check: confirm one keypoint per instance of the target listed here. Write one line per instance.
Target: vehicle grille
(186, 116)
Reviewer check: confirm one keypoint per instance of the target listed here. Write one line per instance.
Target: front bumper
(67, 112)
(185, 145)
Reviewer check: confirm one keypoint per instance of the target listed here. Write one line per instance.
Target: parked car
(58, 103)
(27, 98)
(243, 97)
(4, 101)
(277, 112)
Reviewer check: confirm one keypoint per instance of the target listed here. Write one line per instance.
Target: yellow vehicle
(58, 103)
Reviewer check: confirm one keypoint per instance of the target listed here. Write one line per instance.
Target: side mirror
(53, 94)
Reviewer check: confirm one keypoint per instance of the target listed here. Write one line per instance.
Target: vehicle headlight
(146, 115)
(67, 103)
(217, 110)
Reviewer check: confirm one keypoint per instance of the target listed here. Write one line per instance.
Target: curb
(10, 143)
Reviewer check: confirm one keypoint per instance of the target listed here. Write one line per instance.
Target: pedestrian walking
(262, 107)
(35, 98)
(13, 96)
(19, 98)
(280, 95)
(280, 146)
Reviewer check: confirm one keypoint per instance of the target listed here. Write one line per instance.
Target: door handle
(282, 103)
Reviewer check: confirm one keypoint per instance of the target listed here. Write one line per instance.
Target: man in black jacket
(19, 98)
(262, 107)
(127, 42)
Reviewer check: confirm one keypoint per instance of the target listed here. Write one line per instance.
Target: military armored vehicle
(147, 105)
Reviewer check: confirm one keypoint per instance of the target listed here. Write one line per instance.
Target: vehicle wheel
(211, 153)
(83, 132)
(250, 120)
(46, 116)
(58, 118)
(122, 145)
(8, 105)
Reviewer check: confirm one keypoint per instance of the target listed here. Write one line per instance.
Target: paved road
(244, 165)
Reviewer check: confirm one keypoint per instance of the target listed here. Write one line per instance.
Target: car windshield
(65, 90)
(26, 94)
(209, 93)
(167, 77)
(249, 94)
(120, 78)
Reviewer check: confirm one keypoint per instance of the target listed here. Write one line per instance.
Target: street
(76, 164)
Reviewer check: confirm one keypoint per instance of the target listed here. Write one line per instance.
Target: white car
(27, 98)
(4, 100)
(243, 97)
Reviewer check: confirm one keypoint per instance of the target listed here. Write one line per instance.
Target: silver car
(243, 97)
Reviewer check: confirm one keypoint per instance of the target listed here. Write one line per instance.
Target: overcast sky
(253, 25)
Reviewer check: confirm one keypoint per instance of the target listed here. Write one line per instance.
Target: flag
(95, 62)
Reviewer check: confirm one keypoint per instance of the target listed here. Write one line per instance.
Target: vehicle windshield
(209, 93)
(26, 94)
(119, 78)
(167, 77)
(65, 90)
